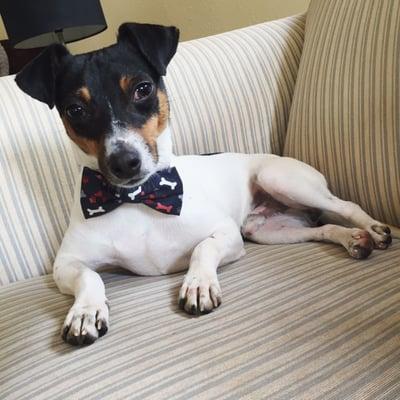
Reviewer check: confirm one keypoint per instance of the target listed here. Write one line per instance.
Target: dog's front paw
(200, 293)
(84, 324)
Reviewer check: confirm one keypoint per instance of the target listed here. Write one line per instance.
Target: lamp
(38, 23)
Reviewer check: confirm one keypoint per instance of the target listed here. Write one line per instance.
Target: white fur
(134, 140)
(217, 198)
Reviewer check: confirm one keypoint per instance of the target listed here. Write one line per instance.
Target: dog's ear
(38, 78)
(156, 43)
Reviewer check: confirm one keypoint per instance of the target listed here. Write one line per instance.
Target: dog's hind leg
(273, 230)
(298, 185)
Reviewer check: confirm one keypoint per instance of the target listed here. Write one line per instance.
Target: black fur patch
(142, 52)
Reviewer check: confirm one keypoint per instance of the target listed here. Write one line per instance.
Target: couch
(300, 321)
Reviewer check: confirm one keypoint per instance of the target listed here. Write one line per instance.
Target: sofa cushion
(345, 112)
(37, 173)
(297, 322)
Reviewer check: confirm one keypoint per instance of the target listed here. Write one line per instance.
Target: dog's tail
(395, 231)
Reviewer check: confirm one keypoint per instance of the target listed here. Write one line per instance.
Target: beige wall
(195, 18)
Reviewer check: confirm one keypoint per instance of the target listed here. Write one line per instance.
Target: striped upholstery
(4, 65)
(297, 322)
(37, 172)
(232, 92)
(240, 104)
(345, 115)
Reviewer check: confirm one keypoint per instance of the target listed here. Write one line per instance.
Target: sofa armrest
(233, 91)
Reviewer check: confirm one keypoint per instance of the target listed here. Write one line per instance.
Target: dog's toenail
(388, 240)
(103, 331)
(182, 303)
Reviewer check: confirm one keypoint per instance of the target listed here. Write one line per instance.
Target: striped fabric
(37, 172)
(4, 65)
(345, 115)
(297, 322)
(231, 92)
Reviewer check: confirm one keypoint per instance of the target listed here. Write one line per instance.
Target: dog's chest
(148, 242)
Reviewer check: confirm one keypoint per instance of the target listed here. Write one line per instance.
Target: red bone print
(160, 206)
(101, 195)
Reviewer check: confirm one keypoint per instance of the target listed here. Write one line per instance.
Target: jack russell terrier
(139, 206)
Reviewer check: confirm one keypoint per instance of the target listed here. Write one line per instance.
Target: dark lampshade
(38, 23)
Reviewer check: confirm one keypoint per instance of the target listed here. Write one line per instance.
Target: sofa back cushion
(345, 116)
(37, 172)
(233, 91)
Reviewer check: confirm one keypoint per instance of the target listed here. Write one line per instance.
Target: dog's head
(112, 101)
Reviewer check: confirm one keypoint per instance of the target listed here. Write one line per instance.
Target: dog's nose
(125, 164)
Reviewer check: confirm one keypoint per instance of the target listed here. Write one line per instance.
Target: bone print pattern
(133, 195)
(96, 211)
(160, 206)
(164, 182)
(162, 193)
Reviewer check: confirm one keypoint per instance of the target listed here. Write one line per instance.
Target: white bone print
(135, 193)
(168, 183)
(96, 210)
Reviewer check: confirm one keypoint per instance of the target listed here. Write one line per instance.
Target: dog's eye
(75, 111)
(142, 91)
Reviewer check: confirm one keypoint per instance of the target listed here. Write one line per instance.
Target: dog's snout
(125, 164)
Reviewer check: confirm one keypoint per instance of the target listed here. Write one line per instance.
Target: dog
(139, 206)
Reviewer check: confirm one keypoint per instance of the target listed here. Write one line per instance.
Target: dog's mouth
(127, 160)
(125, 183)
(128, 182)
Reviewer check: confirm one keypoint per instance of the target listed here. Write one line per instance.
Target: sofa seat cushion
(301, 321)
(345, 112)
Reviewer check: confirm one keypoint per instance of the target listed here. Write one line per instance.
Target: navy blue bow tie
(162, 192)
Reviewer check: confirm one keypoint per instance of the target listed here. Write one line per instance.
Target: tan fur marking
(163, 113)
(125, 82)
(90, 147)
(149, 133)
(84, 93)
(156, 124)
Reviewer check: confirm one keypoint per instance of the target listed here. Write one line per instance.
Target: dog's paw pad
(200, 294)
(85, 324)
(382, 236)
(360, 245)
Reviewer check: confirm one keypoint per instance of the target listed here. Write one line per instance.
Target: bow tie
(162, 192)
